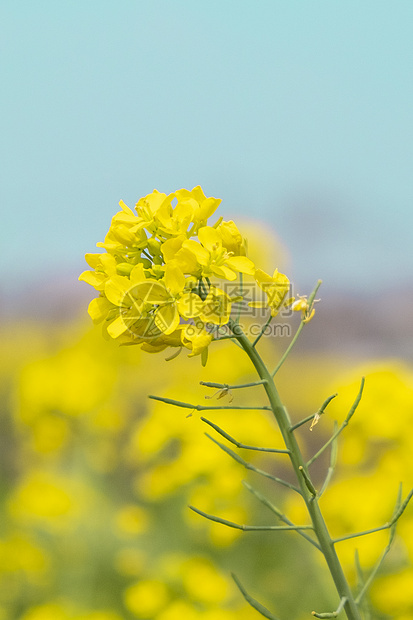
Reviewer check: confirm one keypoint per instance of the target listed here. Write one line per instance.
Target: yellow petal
(190, 305)
(164, 214)
(209, 238)
(93, 259)
(151, 202)
(108, 263)
(117, 288)
(196, 339)
(224, 272)
(200, 253)
(280, 278)
(126, 209)
(174, 278)
(262, 278)
(208, 207)
(242, 264)
(99, 308)
(137, 274)
(198, 194)
(95, 279)
(231, 236)
(171, 247)
(217, 307)
(117, 327)
(153, 292)
(186, 261)
(183, 213)
(167, 318)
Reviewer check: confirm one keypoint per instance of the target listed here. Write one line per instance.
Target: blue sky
(297, 113)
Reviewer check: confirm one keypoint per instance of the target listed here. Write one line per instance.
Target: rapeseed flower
(276, 288)
(162, 279)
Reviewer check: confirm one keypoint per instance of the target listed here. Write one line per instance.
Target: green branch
(298, 332)
(264, 327)
(314, 416)
(278, 512)
(332, 614)
(298, 464)
(247, 465)
(239, 444)
(225, 386)
(250, 528)
(178, 403)
(251, 601)
(333, 462)
(398, 513)
(343, 426)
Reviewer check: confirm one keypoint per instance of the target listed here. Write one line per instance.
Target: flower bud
(124, 269)
(154, 246)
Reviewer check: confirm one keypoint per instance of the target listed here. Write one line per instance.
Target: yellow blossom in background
(44, 498)
(177, 610)
(50, 611)
(146, 598)
(58, 611)
(19, 555)
(131, 520)
(203, 582)
(393, 593)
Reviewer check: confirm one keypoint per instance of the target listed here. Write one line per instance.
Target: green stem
(298, 463)
(287, 352)
(298, 332)
(264, 327)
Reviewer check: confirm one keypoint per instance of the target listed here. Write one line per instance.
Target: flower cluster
(161, 274)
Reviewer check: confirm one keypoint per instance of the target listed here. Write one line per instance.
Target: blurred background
(298, 115)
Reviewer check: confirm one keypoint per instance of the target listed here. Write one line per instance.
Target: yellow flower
(174, 221)
(104, 266)
(301, 305)
(165, 295)
(217, 307)
(154, 276)
(231, 238)
(147, 208)
(127, 296)
(161, 342)
(190, 305)
(276, 288)
(202, 206)
(125, 236)
(174, 249)
(213, 257)
(197, 339)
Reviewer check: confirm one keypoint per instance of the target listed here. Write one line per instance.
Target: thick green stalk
(298, 463)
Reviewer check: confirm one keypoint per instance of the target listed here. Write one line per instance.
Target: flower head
(162, 275)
